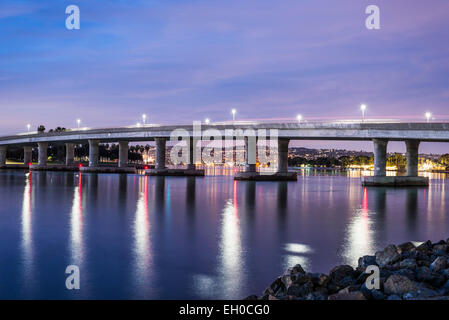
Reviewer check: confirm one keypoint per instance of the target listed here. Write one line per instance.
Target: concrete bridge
(378, 132)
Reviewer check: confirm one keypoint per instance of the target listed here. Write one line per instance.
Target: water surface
(137, 237)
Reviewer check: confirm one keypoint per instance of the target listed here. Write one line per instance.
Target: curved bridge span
(380, 133)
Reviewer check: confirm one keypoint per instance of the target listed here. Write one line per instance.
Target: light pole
(363, 108)
(299, 118)
(233, 111)
(28, 127)
(428, 116)
(78, 121)
(207, 121)
(144, 118)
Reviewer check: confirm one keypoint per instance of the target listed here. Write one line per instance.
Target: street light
(233, 111)
(28, 127)
(78, 121)
(363, 108)
(207, 121)
(138, 124)
(428, 116)
(299, 117)
(144, 117)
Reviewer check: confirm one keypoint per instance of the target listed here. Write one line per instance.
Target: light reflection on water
(153, 237)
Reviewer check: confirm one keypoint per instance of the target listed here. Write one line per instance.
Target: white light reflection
(76, 225)
(27, 231)
(142, 244)
(231, 249)
(359, 240)
(297, 252)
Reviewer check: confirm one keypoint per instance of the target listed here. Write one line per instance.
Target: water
(184, 238)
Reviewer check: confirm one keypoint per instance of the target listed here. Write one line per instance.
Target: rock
(339, 273)
(408, 264)
(320, 279)
(444, 290)
(277, 287)
(405, 247)
(388, 256)
(297, 269)
(438, 264)
(424, 274)
(406, 273)
(425, 247)
(271, 297)
(366, 261)
(377, 295)
(442, 248)
(399, 285)
(394, 297)
(354, 295)
(445, 273)
(300, 290)
(252, 297)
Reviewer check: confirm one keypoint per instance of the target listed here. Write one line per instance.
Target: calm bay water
(137, 237)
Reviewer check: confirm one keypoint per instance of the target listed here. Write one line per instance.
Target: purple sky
(179, 61)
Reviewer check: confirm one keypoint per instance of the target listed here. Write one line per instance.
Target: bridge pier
(412, 157)
(380, 163)
(27, 155)
(93, 153)
(123, 147)
(380, 157)
(3, 150)
(69, 154)
(281, 174)
(43, 155)
(161, 170)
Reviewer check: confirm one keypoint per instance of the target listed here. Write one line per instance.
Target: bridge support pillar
(160, 153)
(69, 153)
(27, 155)
(93, 153)
(123, 153)
(282, 173)
(191, 163)
(250, 154)
(412, 157)
(43, 156)
(283, 155)
(380, 157)
(3, 150)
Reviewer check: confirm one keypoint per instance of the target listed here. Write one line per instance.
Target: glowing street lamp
(428, 116)
(144, 118)
(78, 121)
(138, 124)
(233, 111)
(207, 121)
(299, 117)
(28, 127)
(363, 108)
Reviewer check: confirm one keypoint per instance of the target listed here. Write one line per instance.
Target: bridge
(380, 133)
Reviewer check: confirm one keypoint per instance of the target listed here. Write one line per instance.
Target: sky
(178, 61)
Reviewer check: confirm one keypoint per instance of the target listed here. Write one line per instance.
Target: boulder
(387, 256)
(399, 285)
(320, 279)
(424, 274)
(300, 290)
(354, 295)
(438, 264)
(337, 274)
(394, 297)
(408, 264)
(276, 288)
(405, 247)
(366, 261)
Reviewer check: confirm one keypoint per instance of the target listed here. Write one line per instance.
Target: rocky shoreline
(406, 272)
